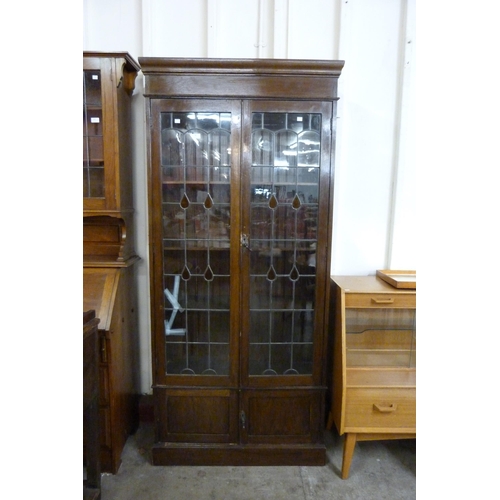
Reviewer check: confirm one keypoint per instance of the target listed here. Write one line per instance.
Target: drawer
(380, 408)
(380, 300)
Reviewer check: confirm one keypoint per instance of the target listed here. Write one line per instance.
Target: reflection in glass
(381, 337)
(196, 168)
(283, 238)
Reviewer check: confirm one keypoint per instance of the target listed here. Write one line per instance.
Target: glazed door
(285, 225)
(195, 219)
(98, 134)
(285, 196)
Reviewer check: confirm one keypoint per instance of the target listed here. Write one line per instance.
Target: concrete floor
(380, 470)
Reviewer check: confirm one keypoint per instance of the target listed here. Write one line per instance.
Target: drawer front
(380, 408)
(380, 300)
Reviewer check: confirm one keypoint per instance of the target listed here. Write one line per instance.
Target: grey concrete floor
(380, 470)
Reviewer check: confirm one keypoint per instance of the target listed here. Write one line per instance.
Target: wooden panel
(271, 416)
(99, 291)
(107, 240)
(397, 410)
(245, 78)
(103, 384)
(101, 233)
(90, 406)
(381, 339)
(207, 416)
(90, 362)
(105, 428)
(287, 416)
(240, 86)
(236, 455)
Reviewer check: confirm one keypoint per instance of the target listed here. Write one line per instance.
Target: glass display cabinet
(108, 84)
(374, 362)
(240, 188)
(108, 253)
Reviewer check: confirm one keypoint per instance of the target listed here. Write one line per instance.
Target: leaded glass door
(100, 135)
(285, 229)
(197, 168)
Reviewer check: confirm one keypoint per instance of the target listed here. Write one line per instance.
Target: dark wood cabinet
(108, 84)
(240, 179)
(108, 253)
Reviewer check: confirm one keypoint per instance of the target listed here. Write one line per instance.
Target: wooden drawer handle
(385, 409)
(383, 301)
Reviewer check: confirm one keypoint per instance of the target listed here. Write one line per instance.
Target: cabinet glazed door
(195, 221)
(93, 145)
(99, 138)
(93, 134)
(285, 197)
(286, 190)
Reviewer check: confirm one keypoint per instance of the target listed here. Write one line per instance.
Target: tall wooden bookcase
(108, 253)
(240, 178)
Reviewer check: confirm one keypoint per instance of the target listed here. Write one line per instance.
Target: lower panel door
(197, 415)
(280, 417)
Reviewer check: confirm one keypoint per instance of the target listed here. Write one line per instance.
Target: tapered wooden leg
(349, 444)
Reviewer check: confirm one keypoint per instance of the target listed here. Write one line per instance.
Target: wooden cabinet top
(240, 66)
(241, 78)
(130, 63)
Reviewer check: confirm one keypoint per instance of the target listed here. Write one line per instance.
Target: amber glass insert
(196, 176)
(381, 337)
(283, 238)
(93, 150)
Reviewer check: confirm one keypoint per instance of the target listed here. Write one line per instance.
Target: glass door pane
(380, 337)
(283, 223)
(93, 145)
(196, 218)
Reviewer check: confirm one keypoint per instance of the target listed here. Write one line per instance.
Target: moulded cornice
(150, 65)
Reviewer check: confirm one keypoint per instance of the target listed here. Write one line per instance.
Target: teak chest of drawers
(374, 362)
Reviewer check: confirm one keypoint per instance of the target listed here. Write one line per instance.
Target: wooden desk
(110, 292)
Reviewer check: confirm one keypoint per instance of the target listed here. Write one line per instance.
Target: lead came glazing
(284, 219)
(196, 163)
